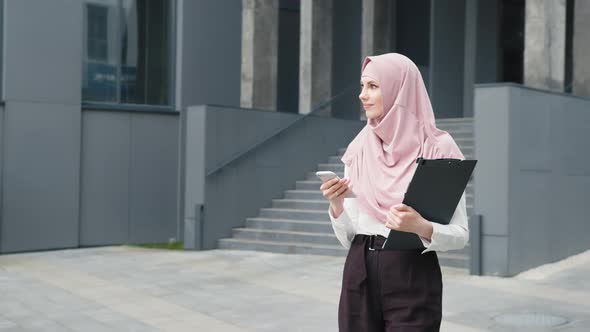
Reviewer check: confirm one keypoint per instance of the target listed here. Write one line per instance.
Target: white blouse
(354, 221)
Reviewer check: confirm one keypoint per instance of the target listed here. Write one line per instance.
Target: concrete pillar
(378, 27)
(581, 49)
(315, 54)
(260, 29)
(544, 45)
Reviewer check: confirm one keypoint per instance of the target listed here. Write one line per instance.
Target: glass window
(127, 51)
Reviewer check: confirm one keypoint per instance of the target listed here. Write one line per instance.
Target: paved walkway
(134, 289)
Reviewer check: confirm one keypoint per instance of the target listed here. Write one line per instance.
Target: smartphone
(326, 175)
(329, 175)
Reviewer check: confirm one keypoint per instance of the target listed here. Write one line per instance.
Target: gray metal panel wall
(1, 170)
(210, 52)
(153, 177)
(43, 51)
(41, 158)
(533, 178)
(242, 188)
(129, 177)
(41, 176)
(491, 175)
(106, 163)
(550, 177)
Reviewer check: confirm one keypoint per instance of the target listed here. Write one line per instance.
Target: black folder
(434, 192)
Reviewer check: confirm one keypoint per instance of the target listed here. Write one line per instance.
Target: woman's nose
(362, 95)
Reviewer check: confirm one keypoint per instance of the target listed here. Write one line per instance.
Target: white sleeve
(452, 236)
(345, 225)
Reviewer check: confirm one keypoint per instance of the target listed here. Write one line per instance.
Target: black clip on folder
(434, 192)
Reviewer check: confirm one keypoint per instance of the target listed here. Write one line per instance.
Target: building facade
(93, 91)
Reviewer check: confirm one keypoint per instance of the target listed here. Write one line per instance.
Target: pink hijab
(382, 158)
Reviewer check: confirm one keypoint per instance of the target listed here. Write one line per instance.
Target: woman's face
(371, 98)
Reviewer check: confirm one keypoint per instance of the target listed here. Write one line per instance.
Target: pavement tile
(134, 289)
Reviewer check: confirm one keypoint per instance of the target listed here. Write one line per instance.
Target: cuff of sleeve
(431, 245)
(341, 220)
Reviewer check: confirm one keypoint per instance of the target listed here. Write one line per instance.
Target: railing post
(475, 244)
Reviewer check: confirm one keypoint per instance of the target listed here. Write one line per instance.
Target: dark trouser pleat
(389, 290)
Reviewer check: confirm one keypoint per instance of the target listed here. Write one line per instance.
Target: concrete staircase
(299, 222)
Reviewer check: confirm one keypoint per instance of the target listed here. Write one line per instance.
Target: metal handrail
(273, 135)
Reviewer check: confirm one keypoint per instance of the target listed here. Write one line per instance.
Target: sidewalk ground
(135, 289)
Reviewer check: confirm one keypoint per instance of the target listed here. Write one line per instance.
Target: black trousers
(389, 290)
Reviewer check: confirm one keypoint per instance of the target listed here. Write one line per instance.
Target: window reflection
(127, 51)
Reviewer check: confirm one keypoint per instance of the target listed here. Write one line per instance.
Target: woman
(391, 290)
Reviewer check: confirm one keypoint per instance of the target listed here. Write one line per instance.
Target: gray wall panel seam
(129, 174)
(80, 177)
(3, 50)
(2, 158)
(509, 227)
(32, 101)
(172, 59)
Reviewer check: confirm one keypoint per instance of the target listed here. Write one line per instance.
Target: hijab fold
(381, 159)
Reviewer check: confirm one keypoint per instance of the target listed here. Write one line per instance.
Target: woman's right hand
(335, 190)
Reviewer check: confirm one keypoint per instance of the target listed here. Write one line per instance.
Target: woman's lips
(365, 106)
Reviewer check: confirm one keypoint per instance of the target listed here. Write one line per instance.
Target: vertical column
(377, 27)
(544, 45)
(260, 26)
(315, 57)
(581, 49)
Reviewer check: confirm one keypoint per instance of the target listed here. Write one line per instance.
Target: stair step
(283, 247)
(464, 140)
(305, 194)
(468, 152)
(285, 236)
(308, 184)
(335, 160)
(295, 214)
(338, 167)
(316, 195)
(309, 226)
(301, 204)
(312, 176)
(450, 126)
(470, 119)
(314, 183)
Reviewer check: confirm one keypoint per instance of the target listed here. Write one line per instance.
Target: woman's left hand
(404, 218)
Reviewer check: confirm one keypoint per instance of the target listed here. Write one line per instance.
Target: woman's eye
(373, 86)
